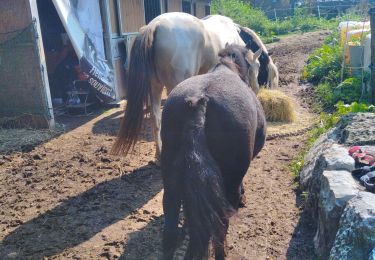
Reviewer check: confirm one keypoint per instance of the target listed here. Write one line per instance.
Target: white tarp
(83, 23)
(88, 13)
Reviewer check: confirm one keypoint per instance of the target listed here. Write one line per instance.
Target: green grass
(302, 21)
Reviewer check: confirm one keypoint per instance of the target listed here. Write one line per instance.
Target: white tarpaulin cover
(83, 23)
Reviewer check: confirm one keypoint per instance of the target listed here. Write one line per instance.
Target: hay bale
(277, 106)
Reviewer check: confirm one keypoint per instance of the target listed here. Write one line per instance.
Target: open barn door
(83, 23)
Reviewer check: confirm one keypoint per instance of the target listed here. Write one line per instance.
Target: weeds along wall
(21, 83)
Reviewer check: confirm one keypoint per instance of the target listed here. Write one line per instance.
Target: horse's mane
(234, 58)
(253, 42)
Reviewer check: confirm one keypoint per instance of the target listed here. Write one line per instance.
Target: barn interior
(70, 93)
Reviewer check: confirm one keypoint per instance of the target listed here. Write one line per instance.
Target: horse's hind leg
(156, 91)
(171, 207)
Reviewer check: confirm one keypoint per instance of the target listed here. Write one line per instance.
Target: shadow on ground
(81, 217)
(110, 125)
(301, 243)
(145, 243)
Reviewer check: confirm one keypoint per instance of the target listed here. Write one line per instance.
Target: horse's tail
(273, 75)
(141, 70)
(205, 207)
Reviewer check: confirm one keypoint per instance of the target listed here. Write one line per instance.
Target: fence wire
(320, 11)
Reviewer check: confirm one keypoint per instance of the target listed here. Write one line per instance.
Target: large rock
(355, 238)
(337, 187)
(333, 158)
(311, 166)
(325, 154)
(343, 212)
(372, 255)
(357, 129)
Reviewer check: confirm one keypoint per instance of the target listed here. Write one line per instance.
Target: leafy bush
(324, 65)
(343, 109)
(324, 70)
(348, 91)
(324, 92)
(243, 14)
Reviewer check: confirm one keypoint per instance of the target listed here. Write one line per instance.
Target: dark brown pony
(212, 127)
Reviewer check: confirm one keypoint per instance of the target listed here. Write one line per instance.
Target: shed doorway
(70, 92)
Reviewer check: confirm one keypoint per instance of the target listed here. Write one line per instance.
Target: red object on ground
(361, 156)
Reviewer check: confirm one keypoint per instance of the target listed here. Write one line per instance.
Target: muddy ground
(69, 199)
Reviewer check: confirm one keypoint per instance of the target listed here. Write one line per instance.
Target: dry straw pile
(277, 106)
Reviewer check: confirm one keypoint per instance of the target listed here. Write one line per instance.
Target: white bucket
(355, 38)
(349, 26)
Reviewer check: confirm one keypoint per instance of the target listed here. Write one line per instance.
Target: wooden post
(372, 23)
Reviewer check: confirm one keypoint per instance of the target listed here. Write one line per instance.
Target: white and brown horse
(172, 48)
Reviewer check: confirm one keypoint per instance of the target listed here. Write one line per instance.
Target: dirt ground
(69, 199)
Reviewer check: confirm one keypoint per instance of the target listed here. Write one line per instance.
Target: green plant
(343, 109)
(297, 164)
(348, 91)
(242, 13)
(324, 65)
(324, 93)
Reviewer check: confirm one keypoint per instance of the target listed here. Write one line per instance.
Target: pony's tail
(205, 207)
(141, 69)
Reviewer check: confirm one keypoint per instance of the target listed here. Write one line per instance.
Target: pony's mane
(234, 58)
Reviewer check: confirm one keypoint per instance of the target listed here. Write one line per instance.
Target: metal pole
(274, 11)
(372, 24)
(319, 11)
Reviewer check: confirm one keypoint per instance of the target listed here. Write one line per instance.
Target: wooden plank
(20, 72)
(113, 16)
(200, 10)
(174, 6)
(14, 15)
(132, 15)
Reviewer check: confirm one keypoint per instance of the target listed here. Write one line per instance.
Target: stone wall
(343, 210)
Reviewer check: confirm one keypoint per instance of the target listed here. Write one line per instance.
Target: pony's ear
(257, 54)
(226, 45)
